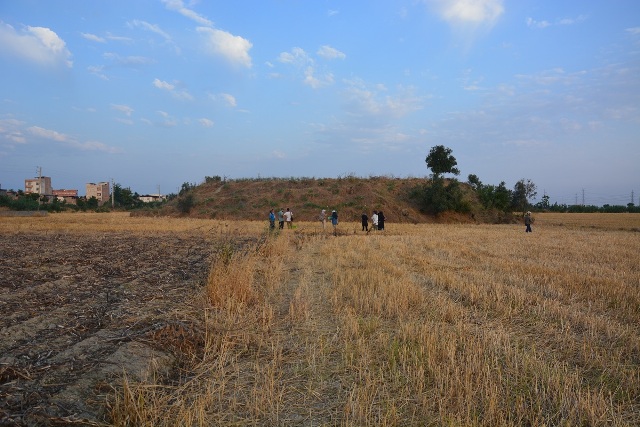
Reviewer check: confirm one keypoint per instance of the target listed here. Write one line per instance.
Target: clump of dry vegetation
(419, 325)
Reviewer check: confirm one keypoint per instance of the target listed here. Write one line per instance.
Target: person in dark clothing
(365, 222)
(334, 222)
(381, 219)
(527, 221)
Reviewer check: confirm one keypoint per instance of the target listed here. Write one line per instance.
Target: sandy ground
(79, 310)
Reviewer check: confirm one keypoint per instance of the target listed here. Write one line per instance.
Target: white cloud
(163, 85)
(229, 99)
(306, 65)
(179, 94)
(39, 45)
(362, 100)
(469, 11)
(128, 61)
(532, 23)
(635, 31)
(310, 78)
(168, 120)
(70, 141)
(297, 56)
(206, 122)
(10, 130)
(123, 109)
(234, 49)
(329, 52)
(98, 70)
(94, 146)
(149, 27)
(93, 38)
(178, 6)
(48, 134)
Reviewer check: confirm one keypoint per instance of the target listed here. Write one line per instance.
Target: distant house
(39, 185)
(100, 191)
(69, 196)
(149, 198)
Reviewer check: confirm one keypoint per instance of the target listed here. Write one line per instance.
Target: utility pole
(113, 192)
(39, 185)
(583, 197)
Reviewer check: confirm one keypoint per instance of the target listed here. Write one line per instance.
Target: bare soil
(79, 311)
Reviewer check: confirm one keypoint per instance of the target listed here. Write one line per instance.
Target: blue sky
(154, 93)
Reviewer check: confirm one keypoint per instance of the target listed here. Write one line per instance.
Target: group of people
(377, 221)
(283, 216)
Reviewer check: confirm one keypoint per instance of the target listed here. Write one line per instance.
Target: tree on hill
(523, 191)
(441, 161)
(438, 196)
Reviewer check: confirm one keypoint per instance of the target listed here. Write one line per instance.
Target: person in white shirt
(374, 220)
(288, 217)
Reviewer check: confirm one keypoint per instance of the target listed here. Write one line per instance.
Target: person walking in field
(323, 218)
(528, 221)
(334, 222)
(281, 219)
(381, 219)
(374, 220)
(272, 220)
(365, 222)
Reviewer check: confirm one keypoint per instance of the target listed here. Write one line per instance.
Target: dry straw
(420, 325)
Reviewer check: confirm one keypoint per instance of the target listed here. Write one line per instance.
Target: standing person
(288, 216)
(381, 219)
(323, 218)
(374, 220)
(272, 220)
(281, 219)
(334, 222)
(527, 221)
(365, 222)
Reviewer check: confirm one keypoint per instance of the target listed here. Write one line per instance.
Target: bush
(438, 196)
(186, 203)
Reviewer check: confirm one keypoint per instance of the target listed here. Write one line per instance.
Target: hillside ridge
(251, 199)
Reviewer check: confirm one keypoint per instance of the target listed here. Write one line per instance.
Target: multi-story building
(39, 185)
(69, 196)
(100, 191)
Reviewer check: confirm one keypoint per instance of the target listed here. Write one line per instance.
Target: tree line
(439, 194)
(123, 198)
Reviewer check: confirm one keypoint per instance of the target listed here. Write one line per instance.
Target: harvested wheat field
(113, 320)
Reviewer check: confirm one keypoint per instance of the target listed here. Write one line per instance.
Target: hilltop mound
(249, 199)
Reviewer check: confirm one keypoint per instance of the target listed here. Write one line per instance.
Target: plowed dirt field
(80, 310)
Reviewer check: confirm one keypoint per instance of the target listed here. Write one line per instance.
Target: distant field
(429, 324)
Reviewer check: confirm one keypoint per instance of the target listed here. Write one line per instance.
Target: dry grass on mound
(419, 325)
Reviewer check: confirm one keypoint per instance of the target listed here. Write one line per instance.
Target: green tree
(523, 191)
(491, 196)
(92, 203)
(124, 197)
(186, 202)
(441, 161)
